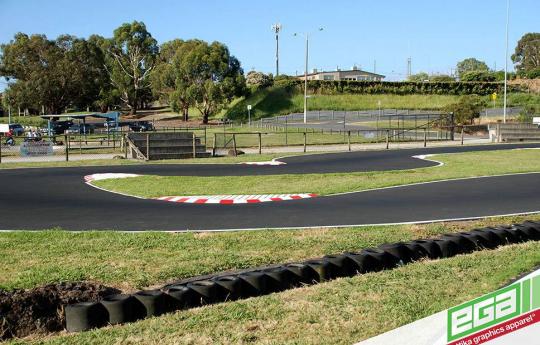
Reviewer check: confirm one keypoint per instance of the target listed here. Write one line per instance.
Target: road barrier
(202, 290)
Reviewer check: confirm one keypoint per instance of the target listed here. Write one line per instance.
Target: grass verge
(343, 311)
(135, 260)
(455, 166)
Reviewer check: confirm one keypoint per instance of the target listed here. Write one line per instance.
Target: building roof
(345, 71)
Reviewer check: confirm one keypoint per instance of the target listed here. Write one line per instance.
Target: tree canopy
(527, 54)
(471, 65)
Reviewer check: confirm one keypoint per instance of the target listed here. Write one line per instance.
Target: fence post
(124, 137)
(66, 146)
(194, 145)
(214, 145)
(349, 139)
(462, 128)
(234, 144)
(305, 141)
(147, 146)
(260, 143)
(425, 137)
(332, 114)
(387, 138)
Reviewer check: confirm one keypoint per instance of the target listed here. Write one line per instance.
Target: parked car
(80, 129)
(141, 126)
(16, 129)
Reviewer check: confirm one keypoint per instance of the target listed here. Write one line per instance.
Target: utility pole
(374, 66)
(409, 67)
(506, 60)
(277, 28)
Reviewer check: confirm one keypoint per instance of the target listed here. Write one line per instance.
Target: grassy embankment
(455, 166)
(341, 311)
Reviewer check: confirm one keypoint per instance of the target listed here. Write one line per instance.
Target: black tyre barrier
(324, 270)
(280, 278)
(205, 291)
(229, 288)
(346, 266)
(256, 283)
(122, 308)
(490, 239)
(464, 244)
(431, 248)
(304, 274)
(401, 251)
(155, 302)
(182, 297)
(202, 290)
(85, 316)
(447, 247)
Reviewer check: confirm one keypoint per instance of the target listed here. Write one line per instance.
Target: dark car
(80, 129)
(141, 126)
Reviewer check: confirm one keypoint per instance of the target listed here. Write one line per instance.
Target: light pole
(506, 60)
(277, 28)
(306, 73)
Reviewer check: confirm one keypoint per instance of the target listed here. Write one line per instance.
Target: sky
(435, 34)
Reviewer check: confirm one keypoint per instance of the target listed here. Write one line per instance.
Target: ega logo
(493, 308)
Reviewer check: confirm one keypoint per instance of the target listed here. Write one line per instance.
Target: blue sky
(435, 34)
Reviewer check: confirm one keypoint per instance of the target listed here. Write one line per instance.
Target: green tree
(50, 74)
(471, 65)
(215, 76)
(480, 76)
(527, 54)
(132, 53)
(419, 77)
(259, 79)
(466, 109)
(441, 78)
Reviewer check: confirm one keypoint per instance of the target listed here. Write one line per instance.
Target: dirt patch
(41, 310)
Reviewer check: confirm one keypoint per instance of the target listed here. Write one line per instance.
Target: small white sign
(536, 120)
(36, 148)
(249, 106)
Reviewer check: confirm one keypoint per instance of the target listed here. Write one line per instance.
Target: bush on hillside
(466, 109)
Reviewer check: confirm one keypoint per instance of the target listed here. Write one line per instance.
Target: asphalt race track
(36, 199)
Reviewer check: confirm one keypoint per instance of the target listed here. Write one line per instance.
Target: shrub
(466, 109)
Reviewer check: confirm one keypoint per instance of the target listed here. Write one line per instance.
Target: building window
(328, 77)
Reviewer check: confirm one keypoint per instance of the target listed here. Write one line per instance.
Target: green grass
(34, 121)
(343, 311)
(277, 101)
(455, 166)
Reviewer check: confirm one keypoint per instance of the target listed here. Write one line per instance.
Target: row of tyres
(122, 308)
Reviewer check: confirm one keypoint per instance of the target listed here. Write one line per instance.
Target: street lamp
(306, 35)
(506, 60)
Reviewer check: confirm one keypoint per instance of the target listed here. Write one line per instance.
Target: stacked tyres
(155, 302)
(85, 316)
(123, 308)
(530, 229)
(280, 278)
(303, 274)
(428, 248)
(256, 283)
(400, 251)
(205, 291)
(345, 266)
(447, 247)
(182, 297)
(491, 240)
(464, 244)
(229, 288)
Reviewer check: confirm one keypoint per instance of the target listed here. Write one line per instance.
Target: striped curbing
(235, 199)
